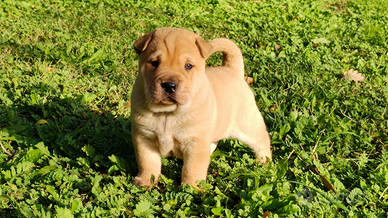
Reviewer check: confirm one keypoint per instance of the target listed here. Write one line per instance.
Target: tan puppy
(180, 108)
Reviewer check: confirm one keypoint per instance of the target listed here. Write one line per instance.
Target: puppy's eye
(188, 66)
(155, 63)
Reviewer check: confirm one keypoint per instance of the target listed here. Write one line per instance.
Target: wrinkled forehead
(172, 43)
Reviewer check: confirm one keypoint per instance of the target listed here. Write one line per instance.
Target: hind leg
(251, 130)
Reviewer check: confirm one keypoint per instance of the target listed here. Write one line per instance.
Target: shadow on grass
(69, 129)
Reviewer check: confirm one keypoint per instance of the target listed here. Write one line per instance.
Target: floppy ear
(142, 43)
(204, 47)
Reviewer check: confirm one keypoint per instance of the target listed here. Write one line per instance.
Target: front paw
(142, 182)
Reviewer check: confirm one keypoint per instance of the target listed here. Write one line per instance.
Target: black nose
(169, 87)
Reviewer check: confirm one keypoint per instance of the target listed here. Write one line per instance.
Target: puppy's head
(171, 67)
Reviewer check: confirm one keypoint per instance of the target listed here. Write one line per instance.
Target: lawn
(66, 73)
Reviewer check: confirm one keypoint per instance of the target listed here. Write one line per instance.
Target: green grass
(66, 73)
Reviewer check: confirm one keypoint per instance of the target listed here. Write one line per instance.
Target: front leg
(148, 159)
(196, 159)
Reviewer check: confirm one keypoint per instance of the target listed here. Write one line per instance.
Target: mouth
(169, 100)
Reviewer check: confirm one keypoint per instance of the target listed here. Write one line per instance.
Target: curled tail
(232, 56)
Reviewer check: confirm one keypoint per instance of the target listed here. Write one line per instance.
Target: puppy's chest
(167, 132)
